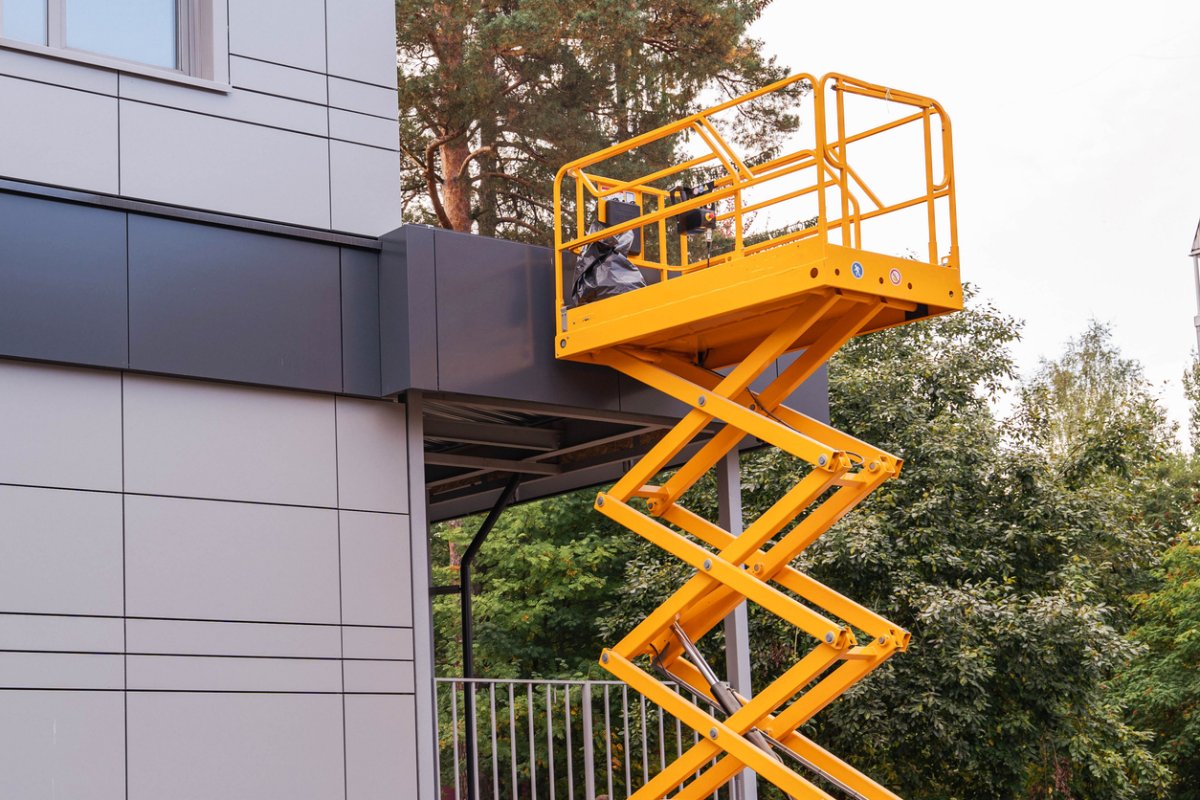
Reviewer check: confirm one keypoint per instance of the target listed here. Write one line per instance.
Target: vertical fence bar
(662, 739)
(495, 751)
(532, 743)
(645, 743)
(437, 740)
(473, 738)
(589, 744)
(454, 725)
(512, 737)
(628, 751)
(550, 737)
(608, 760)
(570, 755)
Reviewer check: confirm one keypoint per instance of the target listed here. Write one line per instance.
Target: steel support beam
(737, 624)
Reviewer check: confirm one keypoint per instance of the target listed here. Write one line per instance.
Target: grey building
(234, 393)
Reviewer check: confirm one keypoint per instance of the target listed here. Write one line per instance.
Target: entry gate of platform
(704, 334)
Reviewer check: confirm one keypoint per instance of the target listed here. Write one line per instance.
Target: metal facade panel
(290, 32)
(381, 753)
(233, 305)
(59, 136)
(390, 644)
(62, 282)
(62, 744)
(408, 310)
(60, 427)
(61, 551)
(376, 569)
(363, 184)
(194, 439)
(232, 674)
(199, 559)
(205, 638)
(362, 97)
(360, 322)
(61, 671)
(371, 455)
(205, 162)
(61, 634)
(495, 326)
(361, 41)
(262, 76)
(188, 746)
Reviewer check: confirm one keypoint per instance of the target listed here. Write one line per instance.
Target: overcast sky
(1077, 151)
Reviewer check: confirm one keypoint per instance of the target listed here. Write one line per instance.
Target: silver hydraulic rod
(729, 702)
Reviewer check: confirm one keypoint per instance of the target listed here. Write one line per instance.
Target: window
(166, 34)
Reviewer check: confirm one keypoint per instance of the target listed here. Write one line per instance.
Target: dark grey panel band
(233, 305)
(62, 282)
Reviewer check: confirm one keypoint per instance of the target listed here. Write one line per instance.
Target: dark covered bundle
(604, 270)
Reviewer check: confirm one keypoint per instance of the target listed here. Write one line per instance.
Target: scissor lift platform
(715, 316)
(809, 287)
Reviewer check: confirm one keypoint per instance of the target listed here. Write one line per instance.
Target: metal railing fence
(551, 740)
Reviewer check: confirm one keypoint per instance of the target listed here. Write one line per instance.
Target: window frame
(201, 45)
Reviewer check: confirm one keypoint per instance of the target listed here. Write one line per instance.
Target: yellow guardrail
(844, 198)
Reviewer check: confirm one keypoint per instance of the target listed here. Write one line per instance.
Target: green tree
(1162, 688)
(1191, 389)
(539, 578)
(495, 95)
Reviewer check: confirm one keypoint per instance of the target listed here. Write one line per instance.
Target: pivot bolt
(712, 733)
(829, 638)
(562, 342)
(882, 639)
(873, 466)
(822, 461)
(758, 567)
(599, 500)
(707, 564)
(604, 658)
(703, 401)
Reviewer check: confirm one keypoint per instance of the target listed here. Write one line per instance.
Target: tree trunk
(456, 189)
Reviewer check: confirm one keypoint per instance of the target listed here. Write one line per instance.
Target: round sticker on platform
(895, 277)
(856, 269)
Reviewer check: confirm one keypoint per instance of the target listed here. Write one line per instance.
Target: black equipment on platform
(698, 220)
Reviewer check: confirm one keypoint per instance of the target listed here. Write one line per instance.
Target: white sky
(1077, 151)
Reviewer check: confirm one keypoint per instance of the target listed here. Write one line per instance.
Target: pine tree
(495, 95)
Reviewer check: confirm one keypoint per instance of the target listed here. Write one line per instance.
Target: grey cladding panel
(56, 745)
(376, 569)
(372, 455)
(381, 758)
(60, 426)
(212, 745)
(408, 310)
(60, 552)
(496, 326)
(199, 559)
(62, 282)
(196, 439)
(233, 305)
(360, 322)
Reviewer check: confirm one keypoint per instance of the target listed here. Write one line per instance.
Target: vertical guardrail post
(589, 756)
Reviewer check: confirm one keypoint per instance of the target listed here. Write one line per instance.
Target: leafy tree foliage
(1162, 688)
(1191, 388)
(495, 95)
(543, 571)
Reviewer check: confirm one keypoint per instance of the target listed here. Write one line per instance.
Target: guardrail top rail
(742, 188)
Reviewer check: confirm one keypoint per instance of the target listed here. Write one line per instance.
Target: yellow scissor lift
(703, 334)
